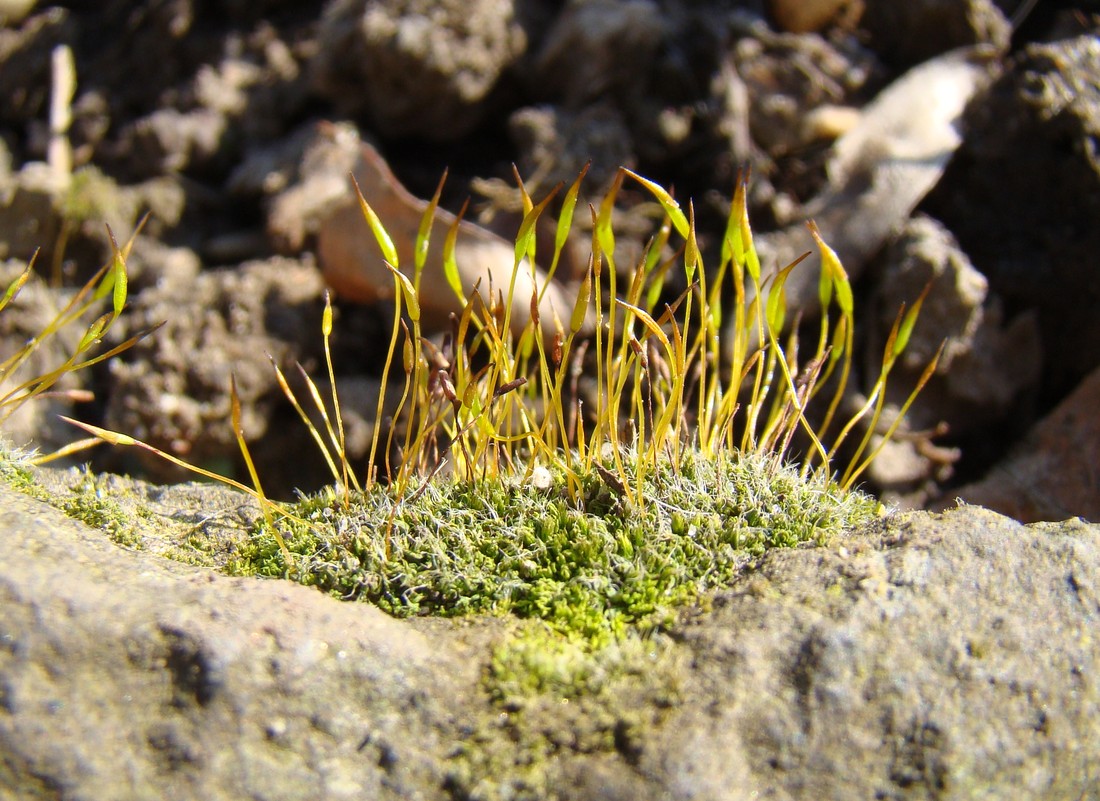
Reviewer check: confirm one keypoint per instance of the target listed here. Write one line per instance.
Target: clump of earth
(235, 126)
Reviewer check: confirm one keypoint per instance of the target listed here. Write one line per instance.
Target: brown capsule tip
(446, 385)
(556, 349)
(511, 386)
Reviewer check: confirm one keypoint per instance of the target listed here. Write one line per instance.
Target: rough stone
(126, 678)
(986, 362)
(172, 141)
(909, 33)
(236, 101)
(921, 662)
(304, 176)
(1023, 197)
(1054, 472)
(986, 373)
(598, 48)
(949, 656)
(417, 68)
(555, 144)
(788, 76)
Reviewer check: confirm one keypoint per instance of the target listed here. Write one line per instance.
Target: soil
(204, 114)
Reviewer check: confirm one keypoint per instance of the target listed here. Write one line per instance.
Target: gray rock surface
(126, 678)
(986, 361)
(942, 657)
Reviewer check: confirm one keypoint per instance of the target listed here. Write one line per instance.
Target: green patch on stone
(590, 571)
(17, 473)
(91, 502)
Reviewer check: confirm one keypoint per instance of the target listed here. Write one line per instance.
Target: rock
(172, 141)
(240, 61)
(878, 172)
(895, 662)
(800, 16)
(1023, 197)
(905, 34)
(556, 143)
(226, 105)
(416, 68)
(900, 664)
(210, 687)
(986, 366)
(986, 361)
(788, 76)
(597, 49)
(304, 177)
(1053, 472)
(152, 262)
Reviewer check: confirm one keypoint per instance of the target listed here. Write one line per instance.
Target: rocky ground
(944, 657)
(235, 126)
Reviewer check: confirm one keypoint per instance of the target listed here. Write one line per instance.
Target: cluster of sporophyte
(591, 519)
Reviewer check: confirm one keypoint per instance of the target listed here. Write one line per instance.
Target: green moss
(260, 554)
(591, 570)
(594, 702)
(92, 504)
(187, 556)
(537, 660)
(206, 526)
(88, 500)
(18, 475)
